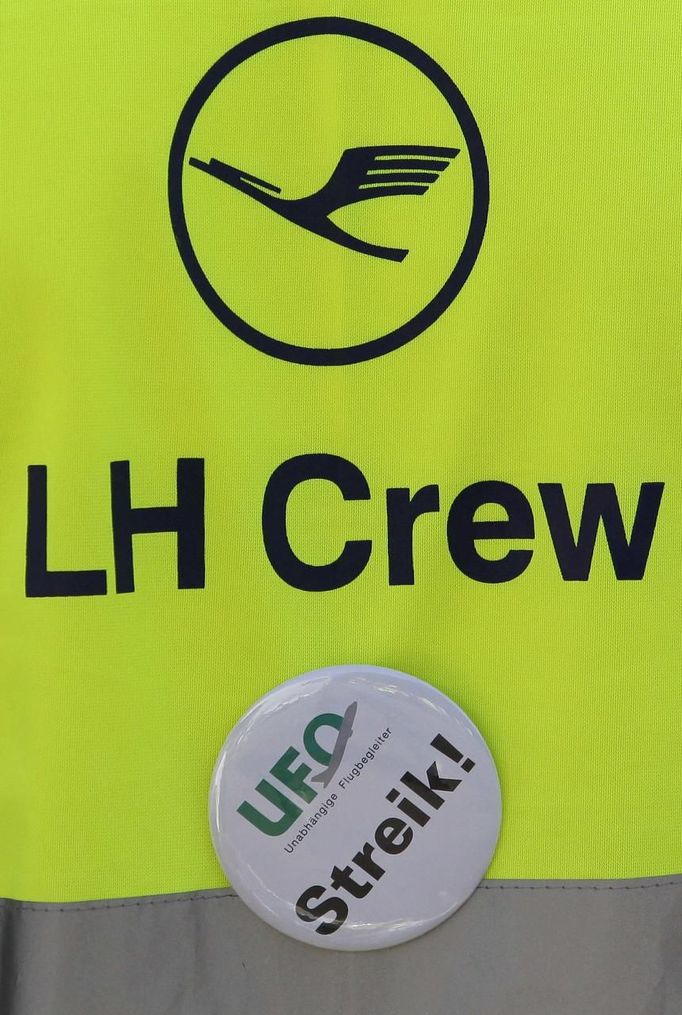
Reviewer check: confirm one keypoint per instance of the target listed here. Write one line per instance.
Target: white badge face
(355, 807)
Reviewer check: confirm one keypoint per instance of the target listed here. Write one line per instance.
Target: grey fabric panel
(516, 948)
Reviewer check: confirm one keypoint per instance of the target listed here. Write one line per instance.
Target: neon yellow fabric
(558, 362)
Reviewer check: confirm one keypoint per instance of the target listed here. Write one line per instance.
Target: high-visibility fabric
(554, 373)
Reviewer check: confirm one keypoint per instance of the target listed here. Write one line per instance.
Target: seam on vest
(36, 907)
(581, 888)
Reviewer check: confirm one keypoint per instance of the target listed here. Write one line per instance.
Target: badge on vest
(355, 807)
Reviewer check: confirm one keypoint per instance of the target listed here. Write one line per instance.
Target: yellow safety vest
(437, 432)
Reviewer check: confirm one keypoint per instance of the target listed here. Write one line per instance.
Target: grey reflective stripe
(516, 948)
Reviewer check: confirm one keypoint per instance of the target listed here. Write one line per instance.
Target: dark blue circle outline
(481, 191)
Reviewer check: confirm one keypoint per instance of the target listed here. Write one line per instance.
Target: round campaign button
(355, 807)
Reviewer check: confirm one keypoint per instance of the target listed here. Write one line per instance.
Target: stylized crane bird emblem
(362, 174)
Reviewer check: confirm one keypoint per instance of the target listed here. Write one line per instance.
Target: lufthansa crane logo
(340, 114)
(363, 174)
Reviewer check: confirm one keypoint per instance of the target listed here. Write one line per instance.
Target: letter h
(186, 518)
